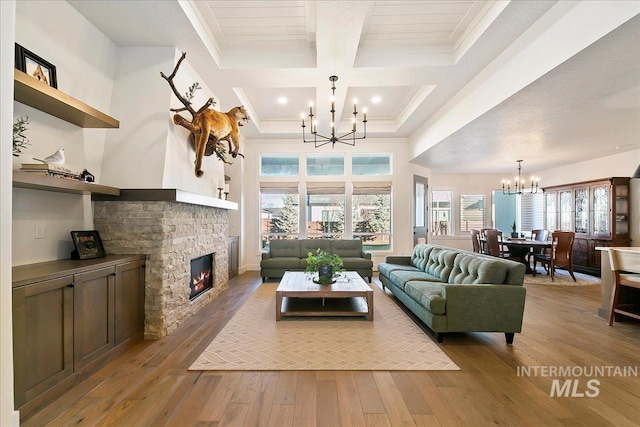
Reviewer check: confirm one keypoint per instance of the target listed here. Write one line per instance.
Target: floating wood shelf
(50, 100)
(37, 181)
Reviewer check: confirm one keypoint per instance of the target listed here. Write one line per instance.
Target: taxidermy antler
(208, 127)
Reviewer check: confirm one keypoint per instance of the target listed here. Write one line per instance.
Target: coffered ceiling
(411, 64)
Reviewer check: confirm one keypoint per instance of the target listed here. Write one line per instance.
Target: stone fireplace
(172, 228)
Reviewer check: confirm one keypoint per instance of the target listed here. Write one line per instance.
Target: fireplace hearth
(202, 275)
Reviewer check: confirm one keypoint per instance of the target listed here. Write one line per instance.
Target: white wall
(402, 182)
(8, 417)
(85, 67)
(149, 150)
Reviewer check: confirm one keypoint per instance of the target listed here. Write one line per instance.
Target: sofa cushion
(356, 262)
(347, 248)
(385, 268)
(312, 245)
(440, 263)
(284, 248)
(289, 263)
(427, 294)
(401, 277)
(472, 269)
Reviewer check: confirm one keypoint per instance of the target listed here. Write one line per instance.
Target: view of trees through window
(372, 220)
(325, 216)
(279, 217)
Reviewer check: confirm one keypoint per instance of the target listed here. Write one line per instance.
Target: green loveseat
(453, 290)
(291, 255)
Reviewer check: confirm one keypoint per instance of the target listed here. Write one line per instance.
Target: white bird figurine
(56, 158)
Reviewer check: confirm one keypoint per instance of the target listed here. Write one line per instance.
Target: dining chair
(538, 236)
(475, 240)
(561, 254)
(625, 267)
(494, 247)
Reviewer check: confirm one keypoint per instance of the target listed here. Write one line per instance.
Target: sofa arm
(479, 307)
(365, 255)
(266, 255)
(400, 260)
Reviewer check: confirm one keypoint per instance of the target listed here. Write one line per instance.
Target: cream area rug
(562, 278)
(254, 341)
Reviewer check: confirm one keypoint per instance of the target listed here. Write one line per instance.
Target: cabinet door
(601, 208)
(233, 254)
(42, 336)
(129, 300)
(566, 198)
(551, 210)
(581, 211)
(93, 315)
(581, 252)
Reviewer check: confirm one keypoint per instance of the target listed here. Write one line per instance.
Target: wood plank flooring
(149, 385)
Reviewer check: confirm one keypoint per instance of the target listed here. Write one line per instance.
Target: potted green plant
(514, 232)
(325, 264)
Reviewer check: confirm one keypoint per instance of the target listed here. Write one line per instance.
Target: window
(472, 212)
(531, 211)
(371, 164)
(325, 210)
(325, 164)
(441, 213)
(279, 212)
(371, 214)
(279, 165)
(565, 210)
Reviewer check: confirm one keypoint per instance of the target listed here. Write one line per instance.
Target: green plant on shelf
(20, 141)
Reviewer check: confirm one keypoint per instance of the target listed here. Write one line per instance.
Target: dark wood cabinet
(233, 251)
(597, 211)
(68, 315)
(129, 301)
(93, 307)
(42, 336)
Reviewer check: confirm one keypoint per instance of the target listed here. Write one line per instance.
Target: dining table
(520, 248)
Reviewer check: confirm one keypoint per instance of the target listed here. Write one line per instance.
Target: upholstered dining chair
(493, 243)
(475, 240)
(561, 254)
(625, 266)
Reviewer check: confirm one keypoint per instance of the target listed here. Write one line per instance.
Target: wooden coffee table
(298, 295)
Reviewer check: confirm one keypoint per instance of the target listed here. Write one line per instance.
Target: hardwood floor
(149, 385)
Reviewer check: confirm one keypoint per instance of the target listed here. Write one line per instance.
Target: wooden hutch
(597, 211)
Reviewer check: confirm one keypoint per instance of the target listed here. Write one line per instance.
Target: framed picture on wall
(35, 66)
(88, 245)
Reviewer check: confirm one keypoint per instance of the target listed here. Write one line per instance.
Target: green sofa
(453, 290)
(291, 255)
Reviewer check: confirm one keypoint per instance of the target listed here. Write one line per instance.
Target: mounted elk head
(208, 126)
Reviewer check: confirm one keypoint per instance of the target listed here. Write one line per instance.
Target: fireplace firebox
(202, 275)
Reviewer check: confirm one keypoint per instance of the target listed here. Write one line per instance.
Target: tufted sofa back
(435, 260)
(285, 248)
(420, 255)
(473, 269)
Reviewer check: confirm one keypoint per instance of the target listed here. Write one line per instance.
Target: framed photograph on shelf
(88, 245)
(35, 66)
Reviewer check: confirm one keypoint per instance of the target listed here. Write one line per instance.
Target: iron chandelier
(348, 138)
